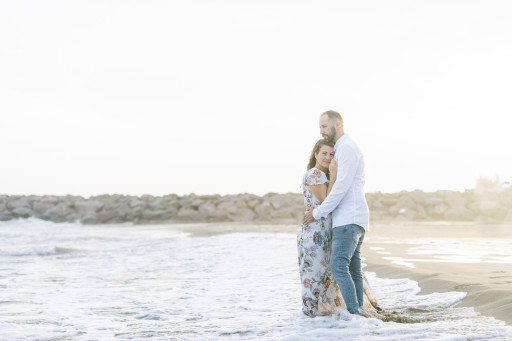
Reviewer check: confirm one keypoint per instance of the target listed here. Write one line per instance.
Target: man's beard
(331, 137)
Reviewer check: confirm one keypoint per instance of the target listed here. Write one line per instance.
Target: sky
(224, 96)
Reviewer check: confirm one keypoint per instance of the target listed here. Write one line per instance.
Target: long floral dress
(320, 292)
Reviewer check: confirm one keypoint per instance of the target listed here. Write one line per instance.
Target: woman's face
(324, 156)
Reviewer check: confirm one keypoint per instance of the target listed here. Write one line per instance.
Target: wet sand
(391, 251)
(488, 284)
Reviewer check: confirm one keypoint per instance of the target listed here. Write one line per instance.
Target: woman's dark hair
(316, 149)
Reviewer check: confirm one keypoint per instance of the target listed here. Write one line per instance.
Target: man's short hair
(333, 115)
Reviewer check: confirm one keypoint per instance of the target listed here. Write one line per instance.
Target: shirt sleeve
(348, 162)
(315, 177)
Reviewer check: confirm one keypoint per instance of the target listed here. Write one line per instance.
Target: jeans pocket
(348, 233)
(355, 234)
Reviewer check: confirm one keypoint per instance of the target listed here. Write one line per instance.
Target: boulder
(50, 199)
(280, 201)
(286, 206)
(192, 201)
(505, 197)
(88, 206)
(282, 214)
(377, 205)
(241, 214)
(488, 206)
(40, 207)
(433, 200)
(159, 208)
(492, 209)
(160, 203)
(87, 210)
(418, 196)
(389, 199)
(189, 213)
(404, 206)
(22, 212)
(253, 203)
(406, 214)
(114, 211)
(236, 210)
(18, 203)
(370, 198)
(420, 213)
(263, 211)
(459, 213)
(437, 211)
(6, 215)
(212, 213)
(175, 203)
(59, 213)
(508, 217)
(379, 215)
(455, 199)
(148, 215)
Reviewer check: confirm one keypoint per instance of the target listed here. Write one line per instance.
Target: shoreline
(488, 285)
(483, 299)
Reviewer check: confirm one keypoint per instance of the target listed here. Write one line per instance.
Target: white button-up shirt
(346, 200)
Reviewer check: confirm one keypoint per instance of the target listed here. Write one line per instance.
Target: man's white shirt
(346, 200)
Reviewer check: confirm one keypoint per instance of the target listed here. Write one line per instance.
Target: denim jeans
(346, 264)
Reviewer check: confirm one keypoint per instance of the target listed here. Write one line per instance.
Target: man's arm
(348, 162)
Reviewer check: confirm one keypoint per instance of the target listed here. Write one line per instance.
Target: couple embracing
(329, 244)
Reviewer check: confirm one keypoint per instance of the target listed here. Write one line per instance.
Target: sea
(68, 281)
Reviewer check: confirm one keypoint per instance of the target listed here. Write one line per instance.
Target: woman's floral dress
(320, 292)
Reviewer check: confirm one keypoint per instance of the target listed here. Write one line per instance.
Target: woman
(320, 293)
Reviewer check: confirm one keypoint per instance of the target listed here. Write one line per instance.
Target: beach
(441, 256)
(224, 281)
(472, 258)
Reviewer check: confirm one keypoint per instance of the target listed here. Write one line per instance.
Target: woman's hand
(333, 169)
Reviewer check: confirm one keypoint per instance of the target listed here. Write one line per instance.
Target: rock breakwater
(470, 205)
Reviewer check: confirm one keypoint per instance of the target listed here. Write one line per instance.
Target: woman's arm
(322, 191)
(319, 191)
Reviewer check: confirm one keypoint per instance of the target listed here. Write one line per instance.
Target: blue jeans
(346, 264)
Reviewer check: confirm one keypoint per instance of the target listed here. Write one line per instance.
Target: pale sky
(158, 97)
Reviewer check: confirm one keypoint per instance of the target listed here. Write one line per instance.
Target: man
(350, 217)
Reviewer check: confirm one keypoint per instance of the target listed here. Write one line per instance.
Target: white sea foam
(129, 282)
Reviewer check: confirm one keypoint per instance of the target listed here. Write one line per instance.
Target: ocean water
(74, 282)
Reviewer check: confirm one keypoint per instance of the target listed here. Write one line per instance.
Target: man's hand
(333, 169)
(308, 217)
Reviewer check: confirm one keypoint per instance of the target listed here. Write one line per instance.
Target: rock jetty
(484, 205)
